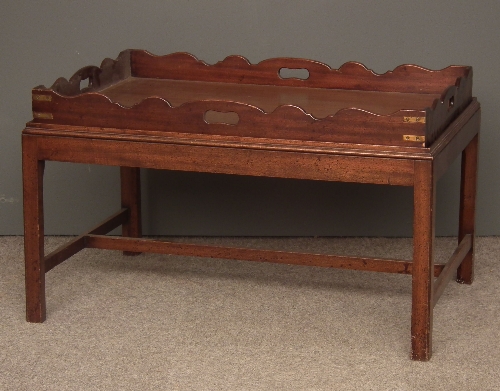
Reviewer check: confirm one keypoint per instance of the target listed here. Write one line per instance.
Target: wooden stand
(410, 146)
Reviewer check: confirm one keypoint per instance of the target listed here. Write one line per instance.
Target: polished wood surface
(33, 169)
(130, 186)
(286, 122)
(320, 102)
(174, 93)
(424, 212)
(350, 76)
(177, 113)
(467, 218)
(461, 252)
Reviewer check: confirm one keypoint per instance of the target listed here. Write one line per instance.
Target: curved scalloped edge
(350, 75)
(349, 67)
(208, 102)
(452, 101)
(350, 125)
(110, 71)
(238, 69)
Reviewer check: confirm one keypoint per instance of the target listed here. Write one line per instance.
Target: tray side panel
(286, 122)
(453, 101)
(351, 75)
(110, 72)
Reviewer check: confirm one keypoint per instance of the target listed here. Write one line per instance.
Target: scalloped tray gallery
(179, 94)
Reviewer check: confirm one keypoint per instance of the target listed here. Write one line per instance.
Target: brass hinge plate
(412, 137)
(42, 115)
(42, 98)
(414, 120)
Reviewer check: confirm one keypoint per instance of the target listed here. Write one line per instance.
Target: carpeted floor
(156, 322)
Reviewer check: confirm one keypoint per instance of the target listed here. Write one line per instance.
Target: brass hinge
(42, 98)
(414, 120)
(412, 137)
(42, 115)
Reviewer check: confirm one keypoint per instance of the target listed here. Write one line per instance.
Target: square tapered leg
(465, 272)
(33, 231)
(423, 261)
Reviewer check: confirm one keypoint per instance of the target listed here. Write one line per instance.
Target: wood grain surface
(409, 106)
(404, 127)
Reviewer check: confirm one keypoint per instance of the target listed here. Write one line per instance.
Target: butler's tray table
(404, 127)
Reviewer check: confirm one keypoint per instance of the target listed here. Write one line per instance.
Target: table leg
(465, 272)
(33, 231)
(131, 199)
(423, 262)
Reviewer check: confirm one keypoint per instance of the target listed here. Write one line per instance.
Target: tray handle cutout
(90, 73)
(221, 117)
(294, 73)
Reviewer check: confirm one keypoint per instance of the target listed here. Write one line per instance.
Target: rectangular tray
(177, 93)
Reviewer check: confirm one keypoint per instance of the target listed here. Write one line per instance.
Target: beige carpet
(156, 322)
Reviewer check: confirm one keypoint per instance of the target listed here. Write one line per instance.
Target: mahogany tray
(404, 127)
(409, 106)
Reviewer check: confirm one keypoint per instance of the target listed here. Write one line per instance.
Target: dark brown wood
(423, 261)
(349, 105)
(63, 252)
(320, 102)
(224, 141)
(290, 258)
(283, 122)
(458, 135)
(350, 76)
(236, 161)
(110, 71)
(115, 220)
(69, 249)
(465, 272)
(451, 267)
(174, 112)
(444, 110)
(33, 169)
(130, 178)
